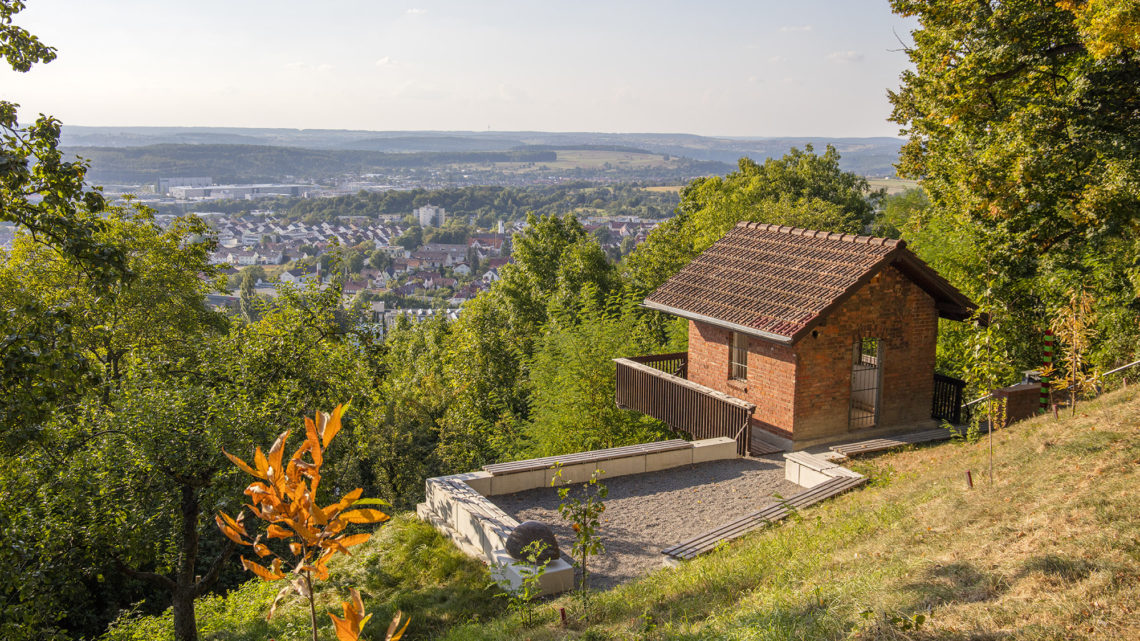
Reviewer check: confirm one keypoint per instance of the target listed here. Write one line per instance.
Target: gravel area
(648, 512)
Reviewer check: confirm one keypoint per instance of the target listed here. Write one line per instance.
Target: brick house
(798, 338)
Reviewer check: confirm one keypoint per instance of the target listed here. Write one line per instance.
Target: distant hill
(866, 156)
(264, 163)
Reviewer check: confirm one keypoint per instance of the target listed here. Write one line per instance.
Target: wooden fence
(683, 405)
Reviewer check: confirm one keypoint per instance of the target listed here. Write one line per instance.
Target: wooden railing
(683, 405)
(947, 404)
(675, 363)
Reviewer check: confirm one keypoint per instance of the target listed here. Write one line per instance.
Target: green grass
(1050, 551)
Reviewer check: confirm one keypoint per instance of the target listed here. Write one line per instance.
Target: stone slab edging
(457, 505)
(809, 470)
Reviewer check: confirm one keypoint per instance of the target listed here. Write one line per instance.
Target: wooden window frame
(737, 357)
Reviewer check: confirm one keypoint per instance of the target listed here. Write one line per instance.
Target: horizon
(745, 69)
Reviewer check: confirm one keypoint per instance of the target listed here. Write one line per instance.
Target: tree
(47, 197)
(801, 189)
(285, 497)
(573, 373)
(380, 260)
(1021, 124)
(248, 301)
(412, 238)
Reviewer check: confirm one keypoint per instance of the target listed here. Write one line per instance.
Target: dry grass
(1050, 551)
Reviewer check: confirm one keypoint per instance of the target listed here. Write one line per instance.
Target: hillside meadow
(1050, 551)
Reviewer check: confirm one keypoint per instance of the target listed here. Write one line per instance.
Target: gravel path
(648, 512)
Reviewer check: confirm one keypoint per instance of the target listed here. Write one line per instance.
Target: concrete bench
(480, 529)
(519, 476)
(809, 470)
(592, 456)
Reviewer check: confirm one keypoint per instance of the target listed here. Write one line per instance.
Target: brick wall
(1022, 401)
(904, 319)
(771, 374)
(803, 391)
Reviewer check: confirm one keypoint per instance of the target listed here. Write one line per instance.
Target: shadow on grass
(1058, 567)
(956, 582)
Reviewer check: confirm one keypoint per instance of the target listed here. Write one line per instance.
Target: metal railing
(947, 401)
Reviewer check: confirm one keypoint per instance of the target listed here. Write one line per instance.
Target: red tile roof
(779, 282)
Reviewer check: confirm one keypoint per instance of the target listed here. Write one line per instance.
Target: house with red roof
(799, 338)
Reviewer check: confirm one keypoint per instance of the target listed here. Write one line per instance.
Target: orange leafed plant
(285, 497)
(348, 628)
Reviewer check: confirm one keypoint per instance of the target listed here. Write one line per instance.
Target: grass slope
(1050, 551)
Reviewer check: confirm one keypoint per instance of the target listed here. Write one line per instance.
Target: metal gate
(866, 380)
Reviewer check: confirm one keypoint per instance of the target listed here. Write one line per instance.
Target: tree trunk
(185, 625)
(182, 597)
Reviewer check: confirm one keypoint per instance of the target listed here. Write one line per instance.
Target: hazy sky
(749, 68)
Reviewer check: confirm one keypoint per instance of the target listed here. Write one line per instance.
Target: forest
(122, 388)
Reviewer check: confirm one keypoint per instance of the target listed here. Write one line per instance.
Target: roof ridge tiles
(815, 233)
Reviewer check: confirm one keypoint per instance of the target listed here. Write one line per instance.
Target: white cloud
(845, 56)
(385, 61)
(776, 59)
(415, 12)
(789, 28)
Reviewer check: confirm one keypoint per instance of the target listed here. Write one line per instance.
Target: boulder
(526, 533)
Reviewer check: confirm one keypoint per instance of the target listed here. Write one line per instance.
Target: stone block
(810, 478)
(665, 460)
(622, 466)
(579, 473)
(714, 449)
(517, 482)
(479, 481)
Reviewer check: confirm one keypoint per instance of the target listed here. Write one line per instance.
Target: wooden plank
(769, 514)
(763, 448)
(880, 444)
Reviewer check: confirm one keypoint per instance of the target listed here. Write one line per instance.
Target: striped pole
(1047, 357)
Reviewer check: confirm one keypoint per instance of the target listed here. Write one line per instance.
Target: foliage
(583, 508)
(1021, 124)
(288, 497)
(801, 189)
(1073, 325)
(1108, 27)
(531, 572)
(572, 371)
(406, 566)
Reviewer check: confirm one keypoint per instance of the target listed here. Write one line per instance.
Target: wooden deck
(593, 456)
(769, 514)
(880, 444)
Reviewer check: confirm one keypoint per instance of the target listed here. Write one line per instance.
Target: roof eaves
(744, 329)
